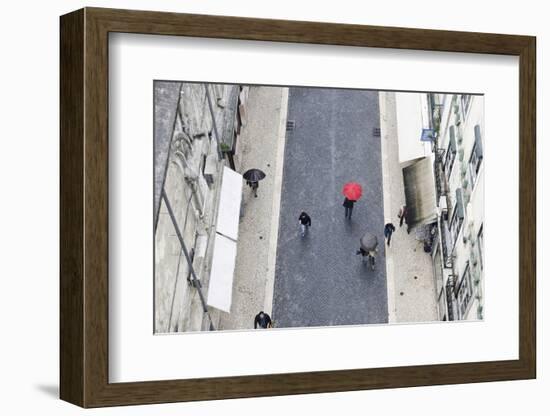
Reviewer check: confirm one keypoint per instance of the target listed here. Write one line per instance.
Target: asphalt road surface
(319, 279)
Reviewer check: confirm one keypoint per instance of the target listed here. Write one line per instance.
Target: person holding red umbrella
(348, 205)
(352, 192)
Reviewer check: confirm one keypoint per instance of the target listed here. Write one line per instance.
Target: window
(456, 223)
(480, 245)
(458, 215)
(477, 155)
(450, 155)
(465, 292)
(449, 292)
(475, 163)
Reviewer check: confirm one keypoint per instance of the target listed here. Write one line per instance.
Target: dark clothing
(348, 205)
(367, 255)
(254, 185)
(305, 219)
(389, 228)
(263, 320)
(402, 215)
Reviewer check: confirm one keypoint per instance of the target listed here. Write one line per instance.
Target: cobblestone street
(319, 279)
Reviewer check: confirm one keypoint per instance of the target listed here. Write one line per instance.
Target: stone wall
(192, 179)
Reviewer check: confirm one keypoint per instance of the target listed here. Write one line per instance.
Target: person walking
(254, 185)
(263, 320)
(367, 255)
(348, 205)
(252, 178)
(305, 222)
(402, 215)
(389, 228)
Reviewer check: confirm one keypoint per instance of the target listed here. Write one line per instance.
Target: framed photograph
(255, 207)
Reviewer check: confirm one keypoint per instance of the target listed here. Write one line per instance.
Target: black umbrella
(369, 242)
(253, 175)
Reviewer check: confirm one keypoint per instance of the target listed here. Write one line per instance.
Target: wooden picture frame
(84, 207)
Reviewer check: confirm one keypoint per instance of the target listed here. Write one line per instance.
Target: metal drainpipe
(180, 161)
(196, 281)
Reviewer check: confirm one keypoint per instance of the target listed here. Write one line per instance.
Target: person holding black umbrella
(253, 177)
(254, 185)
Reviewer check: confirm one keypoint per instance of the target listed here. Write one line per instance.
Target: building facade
(196, 133)
(457, 250)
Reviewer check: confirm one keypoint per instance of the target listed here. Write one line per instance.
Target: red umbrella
(352, 191)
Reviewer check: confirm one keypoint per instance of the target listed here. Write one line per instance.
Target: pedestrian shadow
(304, 243)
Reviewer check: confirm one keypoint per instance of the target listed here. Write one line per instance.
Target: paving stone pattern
(319, 280)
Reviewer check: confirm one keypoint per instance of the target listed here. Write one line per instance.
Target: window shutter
(478, 144)
(459, 203)
(452, 139)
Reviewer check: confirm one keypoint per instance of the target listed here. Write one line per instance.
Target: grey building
(442, 158)
(196, 133)
(458, 136)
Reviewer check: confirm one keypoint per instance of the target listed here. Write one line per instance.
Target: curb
(277, 185)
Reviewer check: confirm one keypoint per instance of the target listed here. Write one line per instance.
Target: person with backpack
(262, 320)
(389, 228)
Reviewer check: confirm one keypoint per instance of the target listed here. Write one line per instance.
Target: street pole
(196, 281)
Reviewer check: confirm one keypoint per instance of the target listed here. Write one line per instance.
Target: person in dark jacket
(369, 256)
(254, 185)
(305, 222)
(263, 320)
(348, 205)
(389, 228)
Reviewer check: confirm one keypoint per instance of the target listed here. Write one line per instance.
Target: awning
(220, 286)
(478, 144)
(230, 204)
(420, 192)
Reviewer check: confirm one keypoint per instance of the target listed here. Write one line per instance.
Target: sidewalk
(262, 147)
(411, 287)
